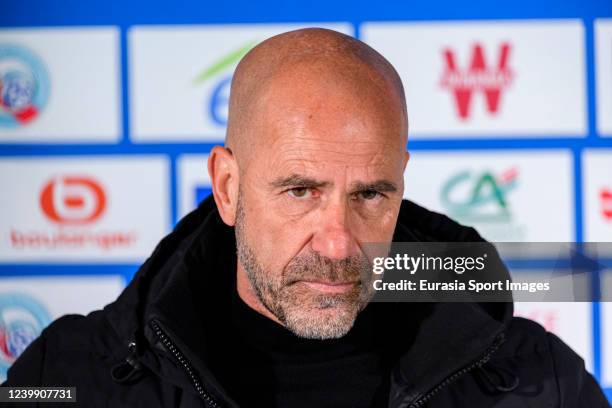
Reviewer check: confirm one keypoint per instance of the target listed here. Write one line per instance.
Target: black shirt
(262, 364)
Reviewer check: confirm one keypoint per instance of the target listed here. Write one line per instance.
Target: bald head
(299, 70)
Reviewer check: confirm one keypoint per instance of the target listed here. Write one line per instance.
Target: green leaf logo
(223, 63)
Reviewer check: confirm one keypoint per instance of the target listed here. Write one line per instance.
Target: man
(255, 299)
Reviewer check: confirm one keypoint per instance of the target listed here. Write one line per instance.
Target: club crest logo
(22, 318)
(24, 86)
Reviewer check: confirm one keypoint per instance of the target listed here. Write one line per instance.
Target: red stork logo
(606, 203)
(72, 200)
(477, 77)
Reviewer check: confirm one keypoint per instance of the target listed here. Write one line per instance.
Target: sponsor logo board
(100, 209)
(48, 95)
(488, 79)
(180, 77)
(597, 192)
(510, 196)
(29, 304)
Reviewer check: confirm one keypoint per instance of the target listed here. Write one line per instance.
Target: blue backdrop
(126, 14)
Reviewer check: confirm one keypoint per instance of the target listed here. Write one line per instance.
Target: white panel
(488, 79)
(29, 304)
(603, 69)
(516, 195)
(100, 209)
(597, 190)
(172, 97)
(65, 80)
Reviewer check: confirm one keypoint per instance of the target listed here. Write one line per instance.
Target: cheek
(292, 210)
(275, 240)
(377, 228)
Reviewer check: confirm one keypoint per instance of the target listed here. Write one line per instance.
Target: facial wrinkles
(340, 163)
(332, 137)
(305, 143)
(331, 155)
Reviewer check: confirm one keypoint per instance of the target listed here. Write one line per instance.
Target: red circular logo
(73, 200)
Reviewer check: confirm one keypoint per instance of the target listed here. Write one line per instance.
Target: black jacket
(148, 348)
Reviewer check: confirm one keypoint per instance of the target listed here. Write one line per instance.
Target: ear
(223, 171)
(406, 159)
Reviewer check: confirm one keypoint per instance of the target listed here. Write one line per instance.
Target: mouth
(330, 287)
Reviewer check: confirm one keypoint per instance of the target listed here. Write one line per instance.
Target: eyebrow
(384, 186)
(295, 180)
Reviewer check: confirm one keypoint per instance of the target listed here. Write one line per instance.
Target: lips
(330, 287)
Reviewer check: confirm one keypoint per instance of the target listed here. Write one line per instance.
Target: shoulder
(541, 360)
(65, 350)
(527, 338)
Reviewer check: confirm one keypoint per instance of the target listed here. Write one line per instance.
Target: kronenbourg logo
(72, 200)
(479, 196)
(478, 76)
(221, 72)
(605, 196)
(24, 85)
(22, 318)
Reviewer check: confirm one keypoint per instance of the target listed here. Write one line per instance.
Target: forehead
(326, 158)
(327, 141)
(321, 118)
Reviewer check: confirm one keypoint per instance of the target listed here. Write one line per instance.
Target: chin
(330, 317)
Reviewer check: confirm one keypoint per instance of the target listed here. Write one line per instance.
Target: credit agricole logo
(483, 198)
(220, 73)
(478, 197)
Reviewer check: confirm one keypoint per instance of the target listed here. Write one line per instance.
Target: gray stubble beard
(308, 315)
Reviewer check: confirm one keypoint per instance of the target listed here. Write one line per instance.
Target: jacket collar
(179, 286)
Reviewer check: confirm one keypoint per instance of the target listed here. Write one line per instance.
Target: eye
(299, 192)
(369, 194)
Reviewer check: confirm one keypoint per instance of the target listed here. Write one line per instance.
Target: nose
(333, 238)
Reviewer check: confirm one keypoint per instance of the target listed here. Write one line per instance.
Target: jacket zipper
(180, 357)
(453, 377)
